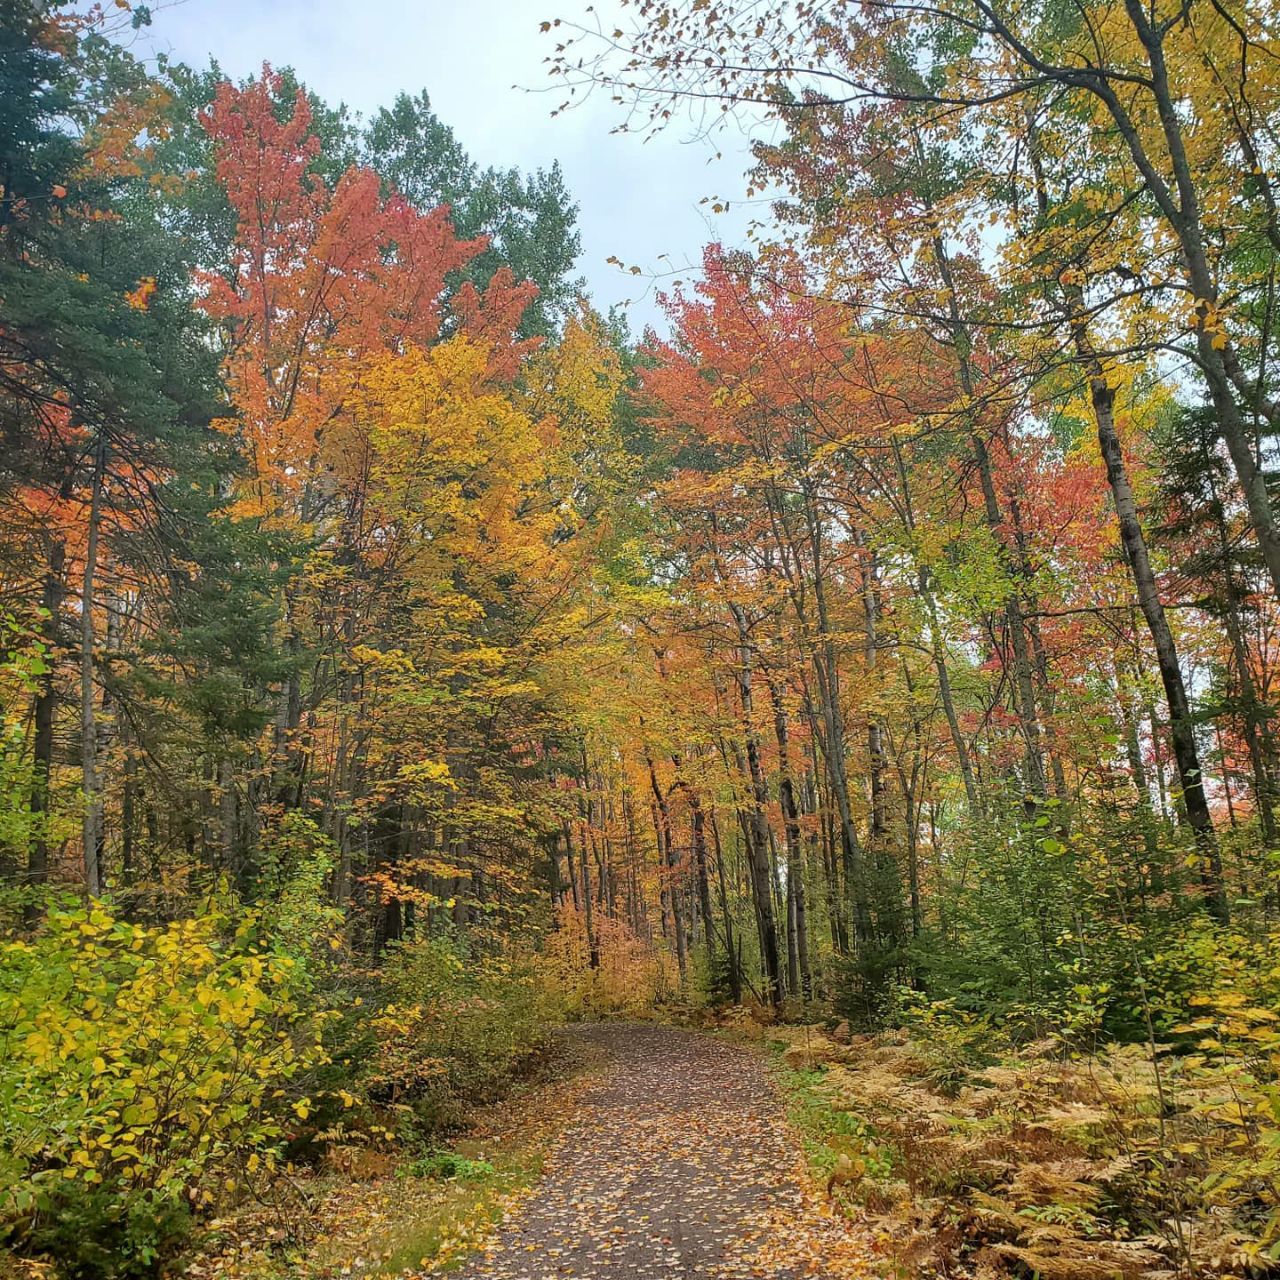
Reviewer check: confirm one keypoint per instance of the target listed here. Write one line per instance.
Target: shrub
(456, 1028)
(1203, 966)
(953, 1043)
(296, 913)
(146, 1079)
(448, 1166)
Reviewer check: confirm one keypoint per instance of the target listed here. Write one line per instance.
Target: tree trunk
(44, 713)
(669, 864)
(756, 828)
(1024, 692)
(93, 810)
(1217, 356)
(731, 950)
(875, 735)
(1133, 539)
(698, 824)
(939, 654)
(798, 908)
(588, 918)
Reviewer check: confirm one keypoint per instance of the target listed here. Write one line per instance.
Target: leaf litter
(678, 1162)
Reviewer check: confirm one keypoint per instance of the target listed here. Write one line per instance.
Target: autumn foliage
(400, 658)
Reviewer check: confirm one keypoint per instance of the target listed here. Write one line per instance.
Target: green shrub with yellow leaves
(147, 1079)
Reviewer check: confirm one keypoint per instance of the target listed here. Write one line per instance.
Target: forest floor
(640, 1152)
(678, 1161)
(379, 1217)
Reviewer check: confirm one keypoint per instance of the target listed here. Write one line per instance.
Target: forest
(414, 679)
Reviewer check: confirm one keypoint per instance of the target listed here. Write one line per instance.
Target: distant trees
(919, 537)
(1007, 243)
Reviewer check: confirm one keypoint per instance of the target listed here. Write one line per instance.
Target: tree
(528, 221)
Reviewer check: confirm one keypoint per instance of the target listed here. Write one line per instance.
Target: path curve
(678, 1163)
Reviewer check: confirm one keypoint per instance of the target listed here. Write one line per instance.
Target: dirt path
(678, 1164)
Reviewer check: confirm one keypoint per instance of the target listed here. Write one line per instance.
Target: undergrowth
(1036, 1160)
(427, 1211)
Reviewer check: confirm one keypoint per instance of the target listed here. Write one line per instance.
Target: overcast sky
(638, 200)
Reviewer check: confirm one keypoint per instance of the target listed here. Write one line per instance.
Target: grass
(446, 1216)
